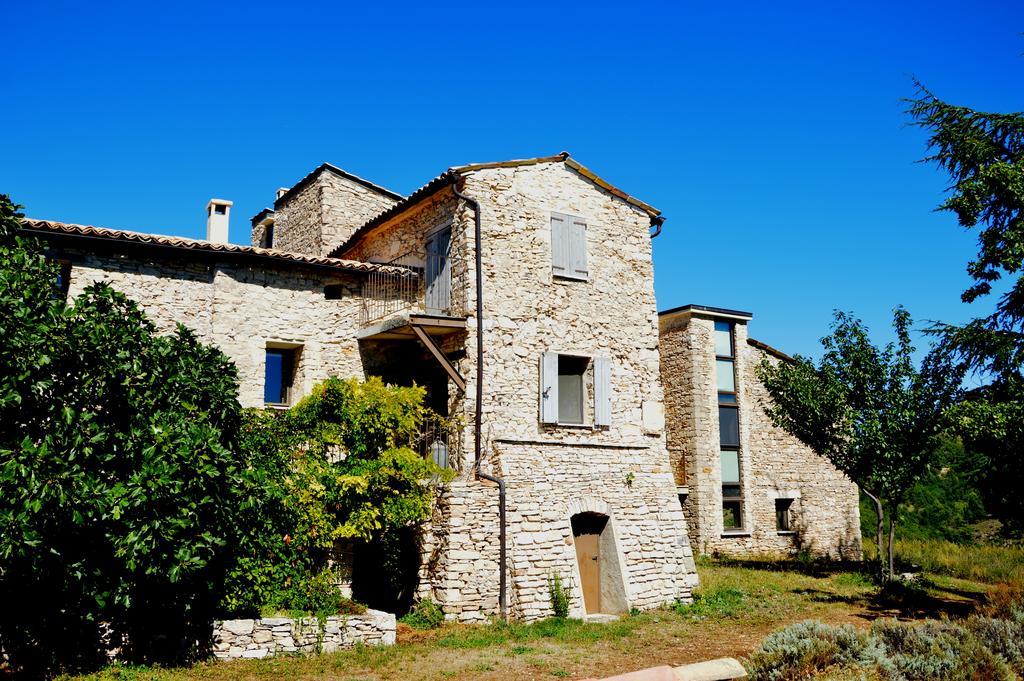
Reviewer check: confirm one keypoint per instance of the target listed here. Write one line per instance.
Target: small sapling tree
(868, 410)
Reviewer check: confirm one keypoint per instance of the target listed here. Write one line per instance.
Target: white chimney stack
(218, 214)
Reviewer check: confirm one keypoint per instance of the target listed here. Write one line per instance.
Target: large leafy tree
(868, 410)
(983, 155)
(119, 478)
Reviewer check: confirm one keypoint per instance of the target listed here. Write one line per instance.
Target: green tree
(983, 155)
(868, 410)
(119, 478)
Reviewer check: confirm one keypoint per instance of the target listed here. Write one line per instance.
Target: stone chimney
(218, 214)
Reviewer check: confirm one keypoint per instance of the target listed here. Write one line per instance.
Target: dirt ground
(738, 605)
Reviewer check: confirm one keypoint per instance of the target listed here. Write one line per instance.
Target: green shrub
(802, 650)
(936, 650)
(426, 614)
(1004, 637)
(559, 595)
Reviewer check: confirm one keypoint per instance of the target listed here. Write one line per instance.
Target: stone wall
(553, 472)
(825, 513)
(346, 206)
(324, 212)
(240, 309)
(267, 637)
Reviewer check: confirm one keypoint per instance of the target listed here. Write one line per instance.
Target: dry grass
(737, 605)
(987, 563)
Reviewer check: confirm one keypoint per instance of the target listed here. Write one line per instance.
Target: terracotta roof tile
(64, 228)
(446, 178)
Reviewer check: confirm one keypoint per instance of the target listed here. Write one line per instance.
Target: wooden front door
(586, 531)
(590, 570)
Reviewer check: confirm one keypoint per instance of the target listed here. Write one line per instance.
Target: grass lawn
(738, 603)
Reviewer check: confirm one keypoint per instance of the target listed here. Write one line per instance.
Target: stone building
(747, 486)
(520, 294)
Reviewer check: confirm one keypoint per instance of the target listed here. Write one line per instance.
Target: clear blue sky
(770, 134)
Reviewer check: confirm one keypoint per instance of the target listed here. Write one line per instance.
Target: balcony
(413, 284)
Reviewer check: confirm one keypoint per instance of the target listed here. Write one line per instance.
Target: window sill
(737, 533)
(578, 426)
(279, 407)
(566, 278)
(785, 532)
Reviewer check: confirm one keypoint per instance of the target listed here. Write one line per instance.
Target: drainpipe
(477, 432)
(657, 222)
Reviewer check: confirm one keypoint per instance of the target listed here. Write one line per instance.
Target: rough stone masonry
(574, 371)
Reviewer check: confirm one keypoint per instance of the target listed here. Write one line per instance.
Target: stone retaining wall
(234, 639)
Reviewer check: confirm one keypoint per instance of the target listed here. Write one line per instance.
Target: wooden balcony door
(438, 273)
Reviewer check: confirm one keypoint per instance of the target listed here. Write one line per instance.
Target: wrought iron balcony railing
(423, 284)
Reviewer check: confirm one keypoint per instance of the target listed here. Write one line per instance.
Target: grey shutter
(602, 391)
(549, 387)
(560, 254)
(578, 248)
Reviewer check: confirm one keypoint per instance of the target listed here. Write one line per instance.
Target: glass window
(730, 467)
(723, 339)
(280, 366)
(782, 514)
(726, 375)
(732, 515)
(570, 388)
(728, 426)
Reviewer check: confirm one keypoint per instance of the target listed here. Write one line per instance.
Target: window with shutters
(568, 246)
(575, 390)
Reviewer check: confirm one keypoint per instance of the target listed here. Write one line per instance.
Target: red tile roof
(450, 175)
(117, 235)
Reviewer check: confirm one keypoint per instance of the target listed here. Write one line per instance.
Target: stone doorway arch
(600, 577)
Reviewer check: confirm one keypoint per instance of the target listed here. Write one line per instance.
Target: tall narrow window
(268, 236)
(279, 375)
(732, 497)
(64, 278)
(728, 427)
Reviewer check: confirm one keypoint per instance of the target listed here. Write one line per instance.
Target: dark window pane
(727, 398)
(730, 491)
(729, 426)
(269, 236)
(333, 291)
(782, 514)
(278, 375)
(732, 515)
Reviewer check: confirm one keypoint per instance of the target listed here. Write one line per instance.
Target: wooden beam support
(449, 368)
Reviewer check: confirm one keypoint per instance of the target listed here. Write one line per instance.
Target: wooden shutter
(602, 391)
(549, 387)
(577, 248)
(560, 253)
